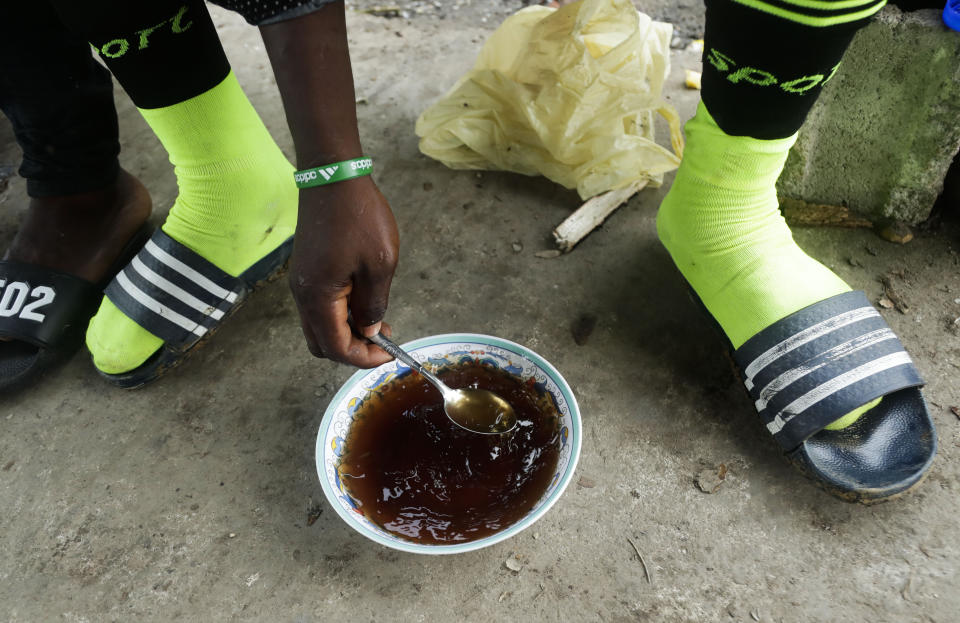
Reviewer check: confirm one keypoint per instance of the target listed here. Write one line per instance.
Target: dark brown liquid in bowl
(419, 476)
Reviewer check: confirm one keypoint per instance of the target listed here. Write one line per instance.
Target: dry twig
(643, 562)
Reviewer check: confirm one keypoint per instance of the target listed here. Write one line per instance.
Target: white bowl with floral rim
(443, 350)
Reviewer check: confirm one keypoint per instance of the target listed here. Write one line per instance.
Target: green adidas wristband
(336, 172)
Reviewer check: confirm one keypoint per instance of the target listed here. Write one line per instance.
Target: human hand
(345, 250)
(344, 255)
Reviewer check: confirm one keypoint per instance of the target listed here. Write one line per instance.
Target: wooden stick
(591, 214)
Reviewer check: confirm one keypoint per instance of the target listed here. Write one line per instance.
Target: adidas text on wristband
(336, 172)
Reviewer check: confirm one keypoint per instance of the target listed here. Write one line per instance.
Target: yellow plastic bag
(567, 93)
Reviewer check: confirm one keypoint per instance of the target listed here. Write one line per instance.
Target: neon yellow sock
(722, 225)
(237, 203)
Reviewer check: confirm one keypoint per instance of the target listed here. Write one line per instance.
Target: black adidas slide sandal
(44, 314)
(822, 362)
(182, 298)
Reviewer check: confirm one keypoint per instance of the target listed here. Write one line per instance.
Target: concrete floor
(192, 499)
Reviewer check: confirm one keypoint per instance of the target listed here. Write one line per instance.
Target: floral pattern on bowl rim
(443, 350)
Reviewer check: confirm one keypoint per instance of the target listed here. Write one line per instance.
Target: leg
(60, 102)
(721, 220)
(83, 208)
(816, 367)
(237, 200)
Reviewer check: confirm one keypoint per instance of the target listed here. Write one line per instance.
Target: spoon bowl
(480, 411)
(476, 410)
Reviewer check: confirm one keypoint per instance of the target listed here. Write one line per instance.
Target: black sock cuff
(762, 72)
(161, 53)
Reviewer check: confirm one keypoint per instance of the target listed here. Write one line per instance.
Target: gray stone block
(887, 126)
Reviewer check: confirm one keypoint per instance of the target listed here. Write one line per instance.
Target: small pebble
(896, 231)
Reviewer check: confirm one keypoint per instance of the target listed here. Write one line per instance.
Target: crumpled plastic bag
(567, 93)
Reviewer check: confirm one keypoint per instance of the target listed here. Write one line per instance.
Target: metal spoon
(476, 410)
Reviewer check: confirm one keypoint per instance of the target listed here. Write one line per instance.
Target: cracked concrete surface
(196, 498)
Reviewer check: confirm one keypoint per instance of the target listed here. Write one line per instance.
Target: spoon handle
(386, 344)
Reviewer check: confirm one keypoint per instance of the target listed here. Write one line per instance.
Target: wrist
(343, 194)
(320, 152)
(333, 173)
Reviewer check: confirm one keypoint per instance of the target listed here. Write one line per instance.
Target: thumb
(368, 303)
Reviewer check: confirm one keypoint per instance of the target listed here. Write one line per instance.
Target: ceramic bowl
(442, 350)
